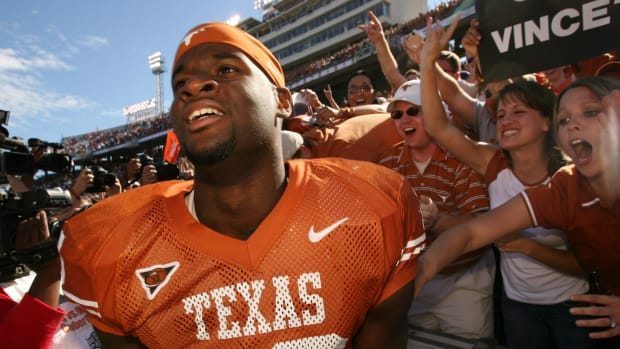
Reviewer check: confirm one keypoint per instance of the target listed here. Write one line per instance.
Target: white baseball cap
(407, 92)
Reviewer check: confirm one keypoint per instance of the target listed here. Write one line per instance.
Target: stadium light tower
(156, 62)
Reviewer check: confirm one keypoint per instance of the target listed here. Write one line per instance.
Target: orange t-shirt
(568, 202)
(344, 236)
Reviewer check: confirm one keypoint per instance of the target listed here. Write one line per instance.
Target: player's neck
(236, 211)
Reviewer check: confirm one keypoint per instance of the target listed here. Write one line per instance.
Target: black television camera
(101, 179)
(16, 207)
(16, 159)
(165, 170)
(56, 161)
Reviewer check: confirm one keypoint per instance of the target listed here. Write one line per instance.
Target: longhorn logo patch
(155, 277)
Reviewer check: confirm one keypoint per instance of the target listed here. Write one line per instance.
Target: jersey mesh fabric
(278, 289)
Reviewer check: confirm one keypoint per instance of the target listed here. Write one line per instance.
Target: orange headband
(217, 32)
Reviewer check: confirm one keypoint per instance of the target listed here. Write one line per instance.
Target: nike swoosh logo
(318, 236)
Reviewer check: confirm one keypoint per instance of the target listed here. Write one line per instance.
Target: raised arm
(388, 63)
(327, 91)
(476, 155)
(327, 115)
(470, 43)
(458, 100)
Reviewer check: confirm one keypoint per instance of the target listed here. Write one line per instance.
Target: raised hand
(471, 40)
(373, 28)
(437, 39)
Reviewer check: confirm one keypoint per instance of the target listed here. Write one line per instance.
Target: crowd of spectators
(102, 139)
(272, 12)
(393, 35)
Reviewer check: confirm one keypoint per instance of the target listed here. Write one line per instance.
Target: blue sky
(69, 67)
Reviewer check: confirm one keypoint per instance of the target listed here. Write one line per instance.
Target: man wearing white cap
(459, 301)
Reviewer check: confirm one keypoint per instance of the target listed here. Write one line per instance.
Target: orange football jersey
(344, 237)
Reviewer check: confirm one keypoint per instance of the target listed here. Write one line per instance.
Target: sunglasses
(360, 89)
(412, 111)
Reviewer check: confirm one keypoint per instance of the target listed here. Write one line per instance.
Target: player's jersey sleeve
(386, 197)
(393, 199)
(92, 246)
(83, 278)
(409, 236)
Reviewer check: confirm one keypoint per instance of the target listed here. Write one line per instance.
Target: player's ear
(285, 102)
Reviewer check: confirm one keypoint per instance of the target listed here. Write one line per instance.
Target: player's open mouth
(203, 113)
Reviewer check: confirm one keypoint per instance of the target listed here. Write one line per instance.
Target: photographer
(79, 187)
(149, 173)
(133, 171)
(94, 181)
(48, 156)
(33, 313)
(30, 320)
(21, 162)
(143, 170)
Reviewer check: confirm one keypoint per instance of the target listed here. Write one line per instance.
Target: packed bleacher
(98, 140)
(393, 34)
